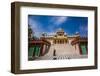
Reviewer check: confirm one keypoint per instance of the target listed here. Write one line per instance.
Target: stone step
(61, 49)
(62, 57)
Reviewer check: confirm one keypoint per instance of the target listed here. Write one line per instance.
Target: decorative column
(58, 41)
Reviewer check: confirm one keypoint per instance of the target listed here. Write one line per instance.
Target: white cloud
(83, 28)
(58, 20)
(36, 27)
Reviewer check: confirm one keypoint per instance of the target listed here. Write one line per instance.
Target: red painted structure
(43, 44)
(80, 41)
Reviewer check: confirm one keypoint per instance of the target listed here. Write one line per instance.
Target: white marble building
(61, 46)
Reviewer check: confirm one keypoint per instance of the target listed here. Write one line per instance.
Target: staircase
(63, 51)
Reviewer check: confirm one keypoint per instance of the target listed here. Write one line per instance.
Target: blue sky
(50, 24)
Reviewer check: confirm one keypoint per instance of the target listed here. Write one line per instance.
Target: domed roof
(77, 33)
(60, 30)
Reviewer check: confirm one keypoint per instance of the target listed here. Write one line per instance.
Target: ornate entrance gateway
(60, 37)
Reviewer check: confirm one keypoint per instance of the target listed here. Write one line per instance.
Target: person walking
(54, 54)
